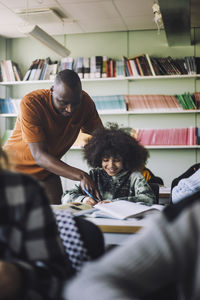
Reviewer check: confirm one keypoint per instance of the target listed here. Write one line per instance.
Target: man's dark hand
(87, 184)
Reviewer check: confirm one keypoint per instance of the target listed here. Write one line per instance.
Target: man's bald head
(66, 92)
(69, 78)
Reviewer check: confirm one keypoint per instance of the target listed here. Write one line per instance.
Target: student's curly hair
(115, 142)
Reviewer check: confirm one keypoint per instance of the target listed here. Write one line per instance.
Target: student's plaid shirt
(29, 237)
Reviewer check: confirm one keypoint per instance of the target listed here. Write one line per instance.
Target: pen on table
(88, 193)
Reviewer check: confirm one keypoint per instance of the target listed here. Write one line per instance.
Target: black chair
(153, 178)
(186, 174)
(154, 182)
(92, 237)
(155, 188)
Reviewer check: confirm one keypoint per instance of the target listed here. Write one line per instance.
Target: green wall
(165, 163)
(3, 90)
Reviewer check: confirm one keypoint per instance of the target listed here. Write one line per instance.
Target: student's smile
(112, 165)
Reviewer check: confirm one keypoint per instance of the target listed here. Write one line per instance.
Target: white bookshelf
(132, 78)
(141, 112)
(157, 147)
(127, 118)
(8, 115)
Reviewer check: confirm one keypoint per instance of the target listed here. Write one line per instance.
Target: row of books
(149, 137)
(102, 67)
(184, 101)
(144, 65)
(41, 69)
(136, 103)
(120, 103)
(93, 67)
(9, 106)
(165, 137)
(45, 69)
(114, 102)
(157, 137)
(141, 65)
(9, 71)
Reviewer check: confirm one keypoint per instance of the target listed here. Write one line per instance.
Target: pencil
(88, 193)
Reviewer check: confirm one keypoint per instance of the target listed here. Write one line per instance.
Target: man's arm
(40, 153)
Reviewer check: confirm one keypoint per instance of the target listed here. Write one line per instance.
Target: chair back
(186, 174)
(155, 188)
(151, 178)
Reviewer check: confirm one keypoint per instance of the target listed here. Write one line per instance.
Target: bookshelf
(8, 115)
(164, 161)
(132, 119)
(40, 83)
(157, 147)
(126, 113)
(130, 78)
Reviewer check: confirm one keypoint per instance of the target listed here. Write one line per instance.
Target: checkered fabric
(29, 237)
(71, 238)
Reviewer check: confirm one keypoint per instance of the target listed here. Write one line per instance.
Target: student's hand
(104, 201)
(87, 183)
(88, 200)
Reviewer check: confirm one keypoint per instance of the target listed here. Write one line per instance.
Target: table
(117, 231)
(164, 195)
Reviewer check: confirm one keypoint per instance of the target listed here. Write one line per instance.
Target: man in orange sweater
(47, 126)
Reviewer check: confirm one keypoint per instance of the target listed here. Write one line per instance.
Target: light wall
(165, 163)
(3, 52)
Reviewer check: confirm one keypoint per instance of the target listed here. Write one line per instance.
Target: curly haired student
(115, 158)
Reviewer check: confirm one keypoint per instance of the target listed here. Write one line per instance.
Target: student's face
(112, 165)
(66, 100)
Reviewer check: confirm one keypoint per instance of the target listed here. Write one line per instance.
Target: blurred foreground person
(33, 263)
(162, 261)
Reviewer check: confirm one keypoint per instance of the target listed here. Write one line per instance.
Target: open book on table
(123, 209)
